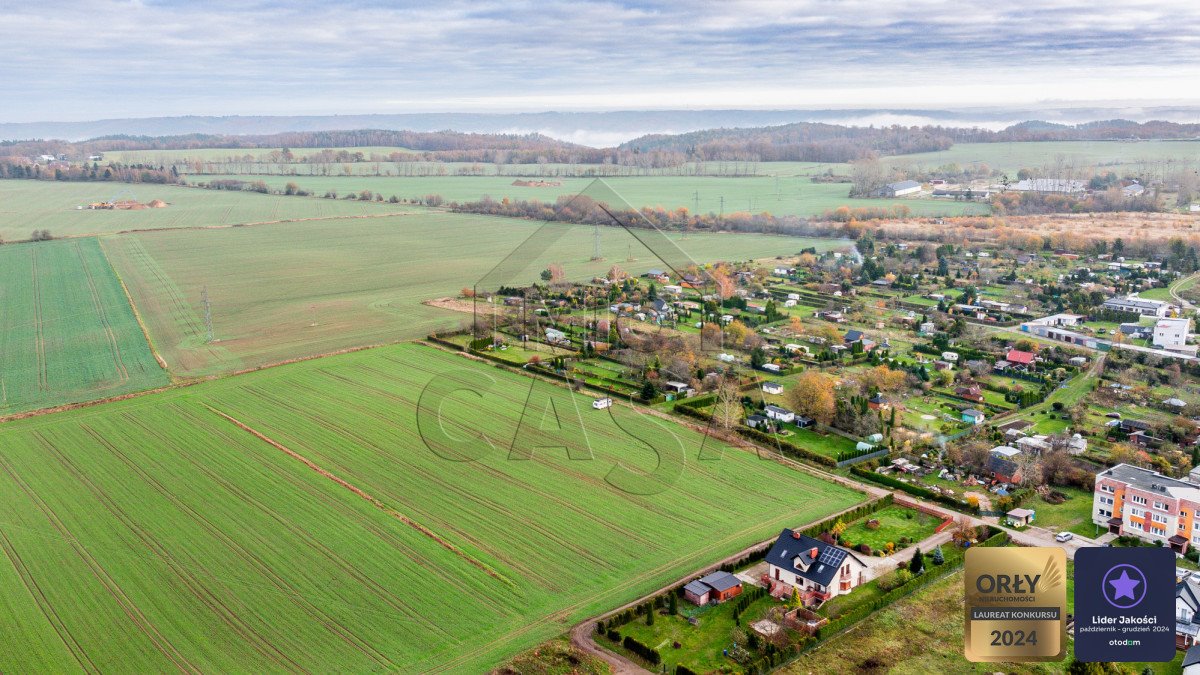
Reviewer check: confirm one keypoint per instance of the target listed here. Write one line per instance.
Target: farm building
(818, 570)
(715, 587)
(904, 187)
(1059, 185)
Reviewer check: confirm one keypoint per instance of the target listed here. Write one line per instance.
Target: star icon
(1124, 586)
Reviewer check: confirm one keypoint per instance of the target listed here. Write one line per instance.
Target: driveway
(1030, 536)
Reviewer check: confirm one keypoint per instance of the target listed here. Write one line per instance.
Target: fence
(876, 454)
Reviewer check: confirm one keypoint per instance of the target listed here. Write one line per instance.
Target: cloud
(83, 59)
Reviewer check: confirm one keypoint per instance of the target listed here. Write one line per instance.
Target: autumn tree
(882, 378)
(813, 396)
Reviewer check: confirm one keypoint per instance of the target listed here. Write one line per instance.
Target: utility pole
(696, 201)
(207, 313)
(596, 243)
(722, 206)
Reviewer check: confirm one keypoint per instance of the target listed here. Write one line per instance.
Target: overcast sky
(89, 59)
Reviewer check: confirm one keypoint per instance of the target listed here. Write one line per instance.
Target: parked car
(1064, 536)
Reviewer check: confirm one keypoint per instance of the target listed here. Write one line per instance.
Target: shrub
(864, 548)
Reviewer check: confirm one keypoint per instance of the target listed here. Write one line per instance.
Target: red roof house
(1019, 357)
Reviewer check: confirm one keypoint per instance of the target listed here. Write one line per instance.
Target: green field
(298, 289)
(67, 332)
(1117, 156)
(27, 205)
(291, 518)
(787, 195)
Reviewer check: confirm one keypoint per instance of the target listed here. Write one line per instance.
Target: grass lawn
(346, 539)
(1163, 293)
(701, 645)
(1073, 515)
(825, 444)
(895, 522)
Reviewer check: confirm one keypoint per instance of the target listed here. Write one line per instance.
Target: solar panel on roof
(832, 556)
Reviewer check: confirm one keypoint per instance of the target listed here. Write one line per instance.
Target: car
(1114, 415)
(1064, 536)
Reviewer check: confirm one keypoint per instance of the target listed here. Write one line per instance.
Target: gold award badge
(1016, 604)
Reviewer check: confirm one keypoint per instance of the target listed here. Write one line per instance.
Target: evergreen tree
(917, 565)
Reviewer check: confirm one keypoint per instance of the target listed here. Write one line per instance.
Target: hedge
(647, 653)
(914, 490)
(920, 581)
(445, 343)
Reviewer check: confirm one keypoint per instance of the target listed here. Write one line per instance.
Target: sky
(74, 60)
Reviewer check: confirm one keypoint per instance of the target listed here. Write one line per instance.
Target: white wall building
(1171, 333)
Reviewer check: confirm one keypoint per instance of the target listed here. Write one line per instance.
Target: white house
(780, 414)
(819, 571)
(772, 368)
(602, 403)
(554, 335)
(1171, 333)
(772, 388)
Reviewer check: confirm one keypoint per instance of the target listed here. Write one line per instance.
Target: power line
(207, 314)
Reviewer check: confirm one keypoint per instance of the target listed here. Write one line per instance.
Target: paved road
(1031, 536)
(1174, 290)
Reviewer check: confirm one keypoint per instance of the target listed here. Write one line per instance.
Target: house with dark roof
(1191, 658)
(1003, 465)
(715, 588)
(971, 392)
(876, 402)
(1187, 614)
(760, 422)
(819, 571)
(852, 336)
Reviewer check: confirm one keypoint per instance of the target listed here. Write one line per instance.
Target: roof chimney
(795, 534)
(813, 553)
